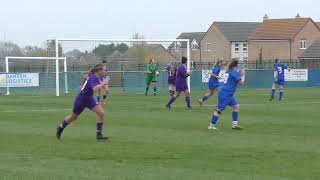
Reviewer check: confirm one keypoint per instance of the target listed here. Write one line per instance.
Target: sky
(32, 22)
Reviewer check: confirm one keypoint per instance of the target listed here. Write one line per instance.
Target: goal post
(57, 78)
(79, 43)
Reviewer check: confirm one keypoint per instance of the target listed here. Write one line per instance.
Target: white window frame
(177, 46)
(194, 44)
(245, 46)
(236, 47)
(207, 47)
(303, 44)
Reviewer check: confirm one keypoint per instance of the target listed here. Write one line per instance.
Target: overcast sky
(35, 21)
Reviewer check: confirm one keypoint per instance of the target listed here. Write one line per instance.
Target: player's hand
(105, 82)
(103, 102)
(190, 72)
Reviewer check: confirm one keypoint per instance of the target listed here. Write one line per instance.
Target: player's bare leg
(206, 96)
(100, 115)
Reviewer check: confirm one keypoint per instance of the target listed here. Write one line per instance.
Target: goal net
(34, 75)
(126, 59)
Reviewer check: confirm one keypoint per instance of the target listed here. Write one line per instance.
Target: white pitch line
(35, 110)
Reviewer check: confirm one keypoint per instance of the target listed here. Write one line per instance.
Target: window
(236, 47)
(177, 46)
(207, 48)
(194, 44)
(245, 47)
(303, 44)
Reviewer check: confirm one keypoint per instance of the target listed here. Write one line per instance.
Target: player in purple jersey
(278, 78)
(181, 84)
(85, 99)
(105, 90)
(226, 95)
(172, 71)
(213, 84)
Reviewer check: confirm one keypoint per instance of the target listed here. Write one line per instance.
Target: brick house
(282, 38)
(310, 58)
(141, 53)
(179, 49)
(228, 40)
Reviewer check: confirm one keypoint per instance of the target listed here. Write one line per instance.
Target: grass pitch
(280, 139)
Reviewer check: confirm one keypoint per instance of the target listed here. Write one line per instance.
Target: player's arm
(242, 77)
(97, 85)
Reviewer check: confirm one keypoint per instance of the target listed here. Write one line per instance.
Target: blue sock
(204, 98)
(280, 94)
(214, 119)
(234, 116)
(272, 92)
(98, 98)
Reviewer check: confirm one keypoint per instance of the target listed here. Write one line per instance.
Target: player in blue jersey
(213, 84)
(278, 78)
(85, 99)
(226, 95)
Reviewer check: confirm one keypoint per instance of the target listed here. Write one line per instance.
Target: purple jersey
(87, 87)
(181, 81)
(172, 71)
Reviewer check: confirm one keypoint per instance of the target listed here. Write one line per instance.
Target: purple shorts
(172, 80)
(181, 87)
(82, 102)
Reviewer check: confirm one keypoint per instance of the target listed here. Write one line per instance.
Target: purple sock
(99, 127)
(172, 99)
(188, 101)
(64, 124)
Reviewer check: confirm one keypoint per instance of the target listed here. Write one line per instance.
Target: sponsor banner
(207, 73)
(19, 80)
(296, 75)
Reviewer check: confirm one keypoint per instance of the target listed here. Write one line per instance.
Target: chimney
(265, 17)
(298, 15)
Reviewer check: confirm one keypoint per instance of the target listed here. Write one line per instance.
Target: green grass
(280, 140)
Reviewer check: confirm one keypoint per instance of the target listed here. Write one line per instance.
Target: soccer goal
(126, 58)
(34, 75)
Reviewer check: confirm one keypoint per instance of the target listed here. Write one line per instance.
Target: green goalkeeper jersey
(152, 68)
(151, 77)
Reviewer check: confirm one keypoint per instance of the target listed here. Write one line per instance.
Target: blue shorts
(279, 82)
(225, 100)
(213, 84)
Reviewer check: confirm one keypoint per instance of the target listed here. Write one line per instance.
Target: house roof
(237, 31)
(279, 29)
(191, 36)
(313, 50)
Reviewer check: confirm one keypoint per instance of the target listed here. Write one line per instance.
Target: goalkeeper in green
(151, 76)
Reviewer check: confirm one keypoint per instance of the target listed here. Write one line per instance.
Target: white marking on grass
(35, 110)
